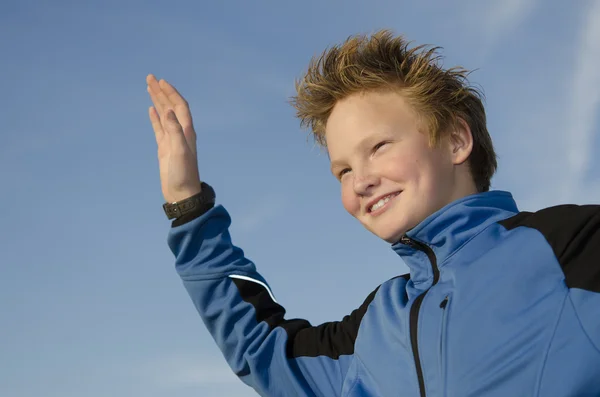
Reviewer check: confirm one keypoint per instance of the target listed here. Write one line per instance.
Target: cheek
(400, 168)
(349, 199)
(433, 177)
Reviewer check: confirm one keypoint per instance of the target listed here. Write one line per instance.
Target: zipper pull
(444, 303)
(407, 241)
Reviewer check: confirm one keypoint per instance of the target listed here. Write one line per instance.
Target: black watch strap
(197, 204)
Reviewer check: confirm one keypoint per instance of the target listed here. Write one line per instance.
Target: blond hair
(382, 61)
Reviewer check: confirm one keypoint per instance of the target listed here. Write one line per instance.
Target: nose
(364, 184)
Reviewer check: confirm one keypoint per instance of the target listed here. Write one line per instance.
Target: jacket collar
(448, 229)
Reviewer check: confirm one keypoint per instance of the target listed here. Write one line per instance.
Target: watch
(198, 203)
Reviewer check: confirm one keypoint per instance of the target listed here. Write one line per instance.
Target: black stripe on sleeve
(573, 232)
(332, 339)
(266, 309)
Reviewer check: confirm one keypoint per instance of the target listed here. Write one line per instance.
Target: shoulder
(573, 233)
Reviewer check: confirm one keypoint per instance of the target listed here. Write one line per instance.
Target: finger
(157, 105)
(154, 99)
(182, 111)
(180, 105)
(159, 133)
(161, 102)
(175, 132)
(150, 77)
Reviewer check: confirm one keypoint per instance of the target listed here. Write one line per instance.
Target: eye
(378, 146)
(342, 172)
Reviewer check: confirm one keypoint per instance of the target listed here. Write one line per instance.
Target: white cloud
(505, 15)
(547, 145)
(584, 103)
(493, 20)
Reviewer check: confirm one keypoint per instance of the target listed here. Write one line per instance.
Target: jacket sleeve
(580, 258)
(573, 233)
(275, 356)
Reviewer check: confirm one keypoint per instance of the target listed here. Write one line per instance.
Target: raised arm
(275, 356)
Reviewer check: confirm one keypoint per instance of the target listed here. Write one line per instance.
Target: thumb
(175, 131)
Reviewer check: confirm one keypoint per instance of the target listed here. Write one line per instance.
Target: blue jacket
(497, 303)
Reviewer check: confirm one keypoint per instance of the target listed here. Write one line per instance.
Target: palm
(176, 140)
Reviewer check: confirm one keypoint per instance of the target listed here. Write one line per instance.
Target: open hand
(176, 139)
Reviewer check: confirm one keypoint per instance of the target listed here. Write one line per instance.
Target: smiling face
(391, 179)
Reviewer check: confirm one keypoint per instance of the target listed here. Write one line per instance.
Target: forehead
(359, 118)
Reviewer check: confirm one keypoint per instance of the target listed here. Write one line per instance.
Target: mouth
(380, 204)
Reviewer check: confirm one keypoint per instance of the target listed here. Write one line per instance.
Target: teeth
(382, 202)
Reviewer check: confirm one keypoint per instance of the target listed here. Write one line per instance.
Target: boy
(497, 303)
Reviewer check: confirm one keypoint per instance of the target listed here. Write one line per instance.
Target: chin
(391, 235)
(388, 231)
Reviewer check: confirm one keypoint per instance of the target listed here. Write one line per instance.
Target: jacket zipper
(444, 307)
(414, 310)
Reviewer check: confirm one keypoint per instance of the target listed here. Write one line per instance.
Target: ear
(461, 142)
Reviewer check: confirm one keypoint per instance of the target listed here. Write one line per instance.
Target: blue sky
(90, 304)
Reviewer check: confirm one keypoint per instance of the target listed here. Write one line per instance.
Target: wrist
(196, 203)
(183, 195)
